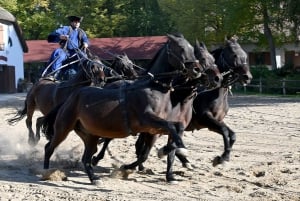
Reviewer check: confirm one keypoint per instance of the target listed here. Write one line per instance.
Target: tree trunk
(269, 36)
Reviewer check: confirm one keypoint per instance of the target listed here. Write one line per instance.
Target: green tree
(266, 23)
(292, 13)
(144, 17)
(34, 16)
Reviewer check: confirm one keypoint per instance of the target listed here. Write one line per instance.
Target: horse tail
(47, 126)
(19, 116)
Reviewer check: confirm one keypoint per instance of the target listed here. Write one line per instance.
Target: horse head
(93, 70)
(124, 66)
(211, 76)
(181, 56)
(232, 61)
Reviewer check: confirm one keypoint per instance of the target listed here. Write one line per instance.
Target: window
(259, 58)
(1, 38)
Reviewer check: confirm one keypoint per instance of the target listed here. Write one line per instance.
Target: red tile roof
(137, 48)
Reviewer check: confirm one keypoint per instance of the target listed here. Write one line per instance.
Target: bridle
(182, 65)
(229, 74)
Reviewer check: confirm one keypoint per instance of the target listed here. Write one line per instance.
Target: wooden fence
(284, 87)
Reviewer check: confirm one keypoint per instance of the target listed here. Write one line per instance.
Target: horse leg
(100, 156)
(229, 138)
(170, 146)
(184, 161)
(31, 138)
(183, 158)
(48, 153)
(143, 147)
(39, 122)
(232, 136)
(221, 128)
(59, 135)
(140, 143)
(30, 108)
(90, 148)
(169, 174)
(170, 160)
(90, 143)
(151, 120)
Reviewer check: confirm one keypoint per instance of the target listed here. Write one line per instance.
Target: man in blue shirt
(75, 38)
(56, 61)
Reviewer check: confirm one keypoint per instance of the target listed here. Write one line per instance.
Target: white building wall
(3, 52)
(280, 57)
(15, 54)
(280, 51)
(13, 51)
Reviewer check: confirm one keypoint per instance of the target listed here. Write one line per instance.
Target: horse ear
(172, 37)
(226, 38)
(234, 38)
(126, 56)
(203, 45)
(197, 42)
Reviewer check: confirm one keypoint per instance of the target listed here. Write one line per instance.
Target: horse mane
(217, 52)
(229, 40)
(176, 34)
(155, 56)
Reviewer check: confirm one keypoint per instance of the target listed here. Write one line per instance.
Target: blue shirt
(61, 55)
(73, 36)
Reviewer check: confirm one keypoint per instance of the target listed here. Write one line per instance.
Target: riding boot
(57, 75)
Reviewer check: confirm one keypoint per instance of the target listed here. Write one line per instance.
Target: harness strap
(122, 100)
(80, 33)
(47, 68)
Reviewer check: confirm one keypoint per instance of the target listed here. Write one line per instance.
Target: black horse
(124, 67)
(125, 108)
(47, 93)
(210, 107)
(182, 99)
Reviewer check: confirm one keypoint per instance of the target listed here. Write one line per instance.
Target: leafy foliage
(207, 20)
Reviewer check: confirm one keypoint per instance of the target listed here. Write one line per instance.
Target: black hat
(62, 42)
(75, 18)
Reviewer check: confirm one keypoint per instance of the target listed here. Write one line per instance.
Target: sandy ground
(265, 162)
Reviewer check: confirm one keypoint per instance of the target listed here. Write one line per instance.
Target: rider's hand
(85, 45)
(64, 37)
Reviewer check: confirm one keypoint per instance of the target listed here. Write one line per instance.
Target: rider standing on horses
(73, 39)
(56, 59)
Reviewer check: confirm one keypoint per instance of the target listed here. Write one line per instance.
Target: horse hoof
(126, 172)
(218, 160)
(182, 151)
(94, 161)
(160, 153)
(173, 182)
(32, 142)
(141, 168)
(188, 166)
(97, 182)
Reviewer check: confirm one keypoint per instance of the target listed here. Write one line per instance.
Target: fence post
(260, 85)
(283, 87)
